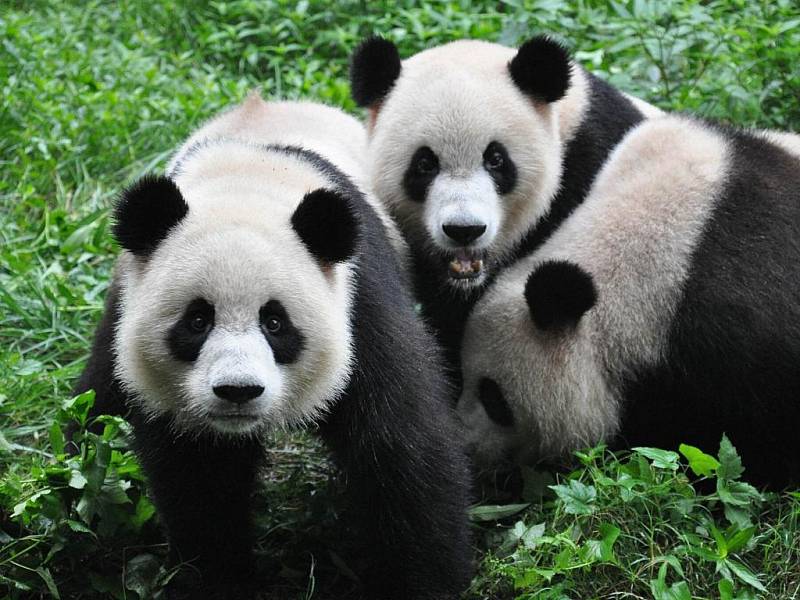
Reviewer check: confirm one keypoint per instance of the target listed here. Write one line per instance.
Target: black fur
(558, 294)
(501, 167)
(541, 69)
(288, 341)
(392, 432)
(327, 225)
(184, 340)
(146, 212)
(495, 405)
(734, 346)
(422, 170)
(374, 69)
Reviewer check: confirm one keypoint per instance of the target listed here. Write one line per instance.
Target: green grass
(94, 94)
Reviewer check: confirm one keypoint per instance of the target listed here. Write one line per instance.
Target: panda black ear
(145, 213)
(373, 70)
(328, 225)
(558, 294)
(541, 69)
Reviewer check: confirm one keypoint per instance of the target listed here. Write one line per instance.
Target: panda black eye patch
(494, 404)
(284, 338)
(186, 338)
(422, 170)
(500, 167)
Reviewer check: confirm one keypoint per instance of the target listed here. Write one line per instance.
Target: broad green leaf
(531, 535)
(701, 464)
(79, 527)
(740, 538)
(602, 549)
(78, 407)
(719, 538)
(745, 575)
(737, 493)
(577, 497)
(725, 587)
(662, 459)
(730, 466)
(495, 512)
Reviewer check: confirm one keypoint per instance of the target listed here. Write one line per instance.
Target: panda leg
(395, 437)
(202, 489)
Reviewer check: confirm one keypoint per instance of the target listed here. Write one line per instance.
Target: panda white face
(230, 324)
(462, 215)
(465, 159)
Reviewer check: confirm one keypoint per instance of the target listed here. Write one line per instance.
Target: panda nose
(463, 234)
(238, 394)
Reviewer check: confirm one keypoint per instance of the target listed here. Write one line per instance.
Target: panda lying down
(259, 288)
(665, 309)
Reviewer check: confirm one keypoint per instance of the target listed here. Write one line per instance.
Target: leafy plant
(679, 543)
(79, 506)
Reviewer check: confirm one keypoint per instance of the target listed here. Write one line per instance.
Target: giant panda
(664, 310)
(259, 289)
(480, 151)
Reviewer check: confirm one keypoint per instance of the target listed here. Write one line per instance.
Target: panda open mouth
(234, 417)
(465, 265)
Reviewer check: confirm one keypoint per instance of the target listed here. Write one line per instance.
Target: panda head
(465, 144)
(533, 385)
(233, 317)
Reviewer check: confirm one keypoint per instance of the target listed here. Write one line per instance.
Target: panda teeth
(456, 266)
(465, 268)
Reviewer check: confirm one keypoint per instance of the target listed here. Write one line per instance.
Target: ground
(95, 94)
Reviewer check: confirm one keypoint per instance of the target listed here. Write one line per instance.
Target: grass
(95, 94)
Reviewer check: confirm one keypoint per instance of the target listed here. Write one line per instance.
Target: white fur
(469, 200)
(648, 110)
(634, 234)
(336, 136)
(237, 250)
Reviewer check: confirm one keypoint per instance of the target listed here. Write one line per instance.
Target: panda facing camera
(248, 344)
(259, 288)
(664, 310)
(458, 146)
(480, 151)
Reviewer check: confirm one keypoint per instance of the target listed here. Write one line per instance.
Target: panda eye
(425, 162)
(494, 403)
(494, 158)
(198, 323)
(200, 316)
(272, 324)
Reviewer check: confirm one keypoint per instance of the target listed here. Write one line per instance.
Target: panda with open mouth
(664, 310)
(480, 151)
(259, 288)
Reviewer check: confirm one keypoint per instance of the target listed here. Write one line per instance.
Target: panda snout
(463, 234)
(238, 394)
